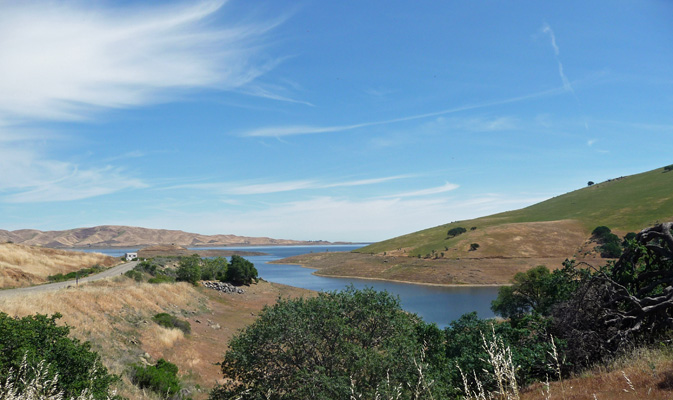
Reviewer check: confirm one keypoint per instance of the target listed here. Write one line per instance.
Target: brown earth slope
(128, 236)
(444, 272)
(503, 251)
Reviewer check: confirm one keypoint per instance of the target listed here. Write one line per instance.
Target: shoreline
(467, 285)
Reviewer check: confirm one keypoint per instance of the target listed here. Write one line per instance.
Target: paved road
(114, 271)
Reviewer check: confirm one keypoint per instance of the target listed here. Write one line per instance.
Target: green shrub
(147, 267)
(189, 269)
(668, 168)
(161, 378)
(161, 278)
(474, 246)
(324, 347)
(135, 275)
(38, 338)
(75, 274)
(170, 321)
(214, 268)
(600, 231)
(611, 250)
(528, 341)
(611, 246)
(537, 290)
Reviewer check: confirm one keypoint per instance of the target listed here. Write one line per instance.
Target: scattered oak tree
(240, 271)
(453, 232)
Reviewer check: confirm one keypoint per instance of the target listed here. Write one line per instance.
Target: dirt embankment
(467, 271)
(491, 255)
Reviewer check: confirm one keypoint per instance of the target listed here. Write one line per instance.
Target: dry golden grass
(115, 315)
(644, 374)
(28, 265)
(470, 271)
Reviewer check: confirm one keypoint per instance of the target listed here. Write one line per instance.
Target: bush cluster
(152, 268)
(76, 274)
(170, 321)
(610, 245)
(360, 341)
(193, 268)
(161, 378)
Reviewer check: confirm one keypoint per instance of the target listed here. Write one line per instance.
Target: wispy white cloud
(447, 187)
(280, 131)
(69, 60)
(372, 181)
(273, 92)
(479, 124)
(266, 188)
(28, 177)
(591, 142)
(566, 83)
(280, 187)
(127, 155)
(63, 60)
(378, 92)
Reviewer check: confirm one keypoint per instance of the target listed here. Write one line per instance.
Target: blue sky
(314, 120)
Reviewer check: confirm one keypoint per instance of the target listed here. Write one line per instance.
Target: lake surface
(440, 305)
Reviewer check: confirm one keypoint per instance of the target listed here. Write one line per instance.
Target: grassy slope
(626, 204)
(115, 315)
(22, 265)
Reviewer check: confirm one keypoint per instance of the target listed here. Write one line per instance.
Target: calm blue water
(440, 305)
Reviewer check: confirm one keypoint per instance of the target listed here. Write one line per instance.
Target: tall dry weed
(33, 383)
(503, 372)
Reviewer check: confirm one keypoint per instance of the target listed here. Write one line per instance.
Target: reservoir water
(437, 304)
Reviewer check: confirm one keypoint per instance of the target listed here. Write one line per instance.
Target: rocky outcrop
(223, 287)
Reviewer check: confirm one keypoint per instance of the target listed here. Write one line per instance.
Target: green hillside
(624, 204)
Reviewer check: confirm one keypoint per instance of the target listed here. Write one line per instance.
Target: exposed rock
(223, 287)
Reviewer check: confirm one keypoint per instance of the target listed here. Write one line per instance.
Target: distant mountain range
(129, 236)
